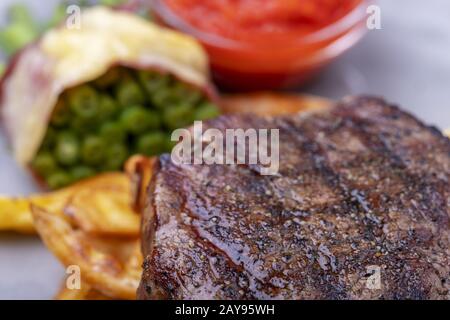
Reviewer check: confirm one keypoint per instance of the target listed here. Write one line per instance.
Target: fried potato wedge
(139, 170)
(15, 213)
(84, 293)
(107, 273)
(104, 211)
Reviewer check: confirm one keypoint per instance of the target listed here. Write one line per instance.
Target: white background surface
(408, 62)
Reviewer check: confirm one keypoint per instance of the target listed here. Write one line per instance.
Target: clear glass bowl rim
(347, 22)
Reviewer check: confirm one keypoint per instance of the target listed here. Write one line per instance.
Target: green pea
(16, 36)
(151, 144)
(116, 155)
(169, 144)
(58, 180)
(129, 93)
(93, 150)
(206, 111)
(137, 120)
(81, 172)
(177, 116)
(61, 115)
(67, 148)
(58, 16)
(84, 102)
(162, 98)
(108, 107)
(153, 81)
(19, 13)
(153, 119)
(44, 164)
(183, 93)
(83, 126)
(113, 132)
(193, 97)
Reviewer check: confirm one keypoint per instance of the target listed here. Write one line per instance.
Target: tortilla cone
(66, 57)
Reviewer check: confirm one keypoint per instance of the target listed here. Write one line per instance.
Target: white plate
(27, 269)
(407, 62)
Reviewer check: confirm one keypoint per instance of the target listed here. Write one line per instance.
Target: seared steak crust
(362, 184)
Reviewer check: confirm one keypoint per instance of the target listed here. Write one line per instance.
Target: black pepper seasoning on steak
(360, 185)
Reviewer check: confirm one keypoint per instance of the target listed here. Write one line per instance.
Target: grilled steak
(362, 194)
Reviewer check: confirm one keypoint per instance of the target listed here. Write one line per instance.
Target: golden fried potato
(111, 274)
(104, 212)
(15, 213)
(84, 293)
(139, 170)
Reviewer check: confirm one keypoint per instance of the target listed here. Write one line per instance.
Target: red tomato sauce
(267, 44)
(261, 20)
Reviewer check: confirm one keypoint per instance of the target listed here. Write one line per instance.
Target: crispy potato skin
(114, 274)
(90, 224)
(84, 293)
(99, 205)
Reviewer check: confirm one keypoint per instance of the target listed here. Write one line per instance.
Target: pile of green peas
(22, 28)
(97, 126)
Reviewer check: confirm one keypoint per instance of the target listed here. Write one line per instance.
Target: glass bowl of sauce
(271, 44)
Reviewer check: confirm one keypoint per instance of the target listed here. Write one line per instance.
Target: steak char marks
(361, 186)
